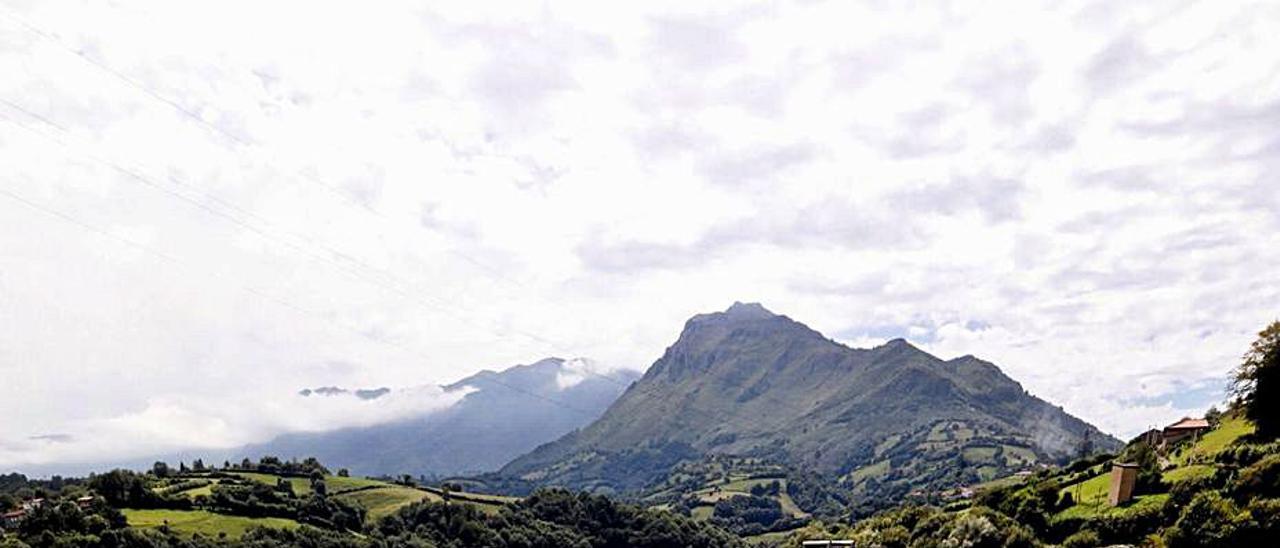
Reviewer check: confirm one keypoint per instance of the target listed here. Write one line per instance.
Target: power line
(127, 80)
(246, 141)
(353, 271)
(260, 293)
(241, 140)
(715, 415)
(493, 273)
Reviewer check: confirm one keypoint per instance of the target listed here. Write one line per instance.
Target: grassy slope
(1231, 429)
(1141, 502)
(1091, 495)
(383, 501)
(380, 498)
(1090, 492)
(200, 521)
(741, 487)
(301, 486)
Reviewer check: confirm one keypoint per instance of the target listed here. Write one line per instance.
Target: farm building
(10, 520)
(1183, 429)
(1124, 477)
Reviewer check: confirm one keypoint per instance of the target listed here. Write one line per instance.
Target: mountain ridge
(506, 413)
(746, 381)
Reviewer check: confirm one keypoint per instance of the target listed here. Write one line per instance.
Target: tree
(1256, 386)
(1149, 478)
(1214, 416)
(343, 473)
(160, 469)
(1086, 446)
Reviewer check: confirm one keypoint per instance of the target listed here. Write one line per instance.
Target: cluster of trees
(274, 465)
(548, 518)
(254, 499)
(267, 465)
(15, 488)
(925, 526)
(816, 494)
(127, 489)
(62, 522)
(771, 489)
(751, 515)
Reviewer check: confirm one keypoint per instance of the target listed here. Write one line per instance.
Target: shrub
(1067, 501)
(1259, 479)
(1209, 520)
(1083, 539)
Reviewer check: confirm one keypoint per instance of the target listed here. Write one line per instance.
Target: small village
(11, 520)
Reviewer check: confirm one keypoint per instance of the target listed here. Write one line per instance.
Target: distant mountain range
(506, 414)
(881, 422)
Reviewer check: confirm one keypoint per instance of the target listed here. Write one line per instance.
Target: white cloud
(179, 422)
(573, 371)
(397, 196)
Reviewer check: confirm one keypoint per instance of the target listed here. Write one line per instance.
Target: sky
(205, 207)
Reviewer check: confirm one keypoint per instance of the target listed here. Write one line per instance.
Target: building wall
(1123, 479)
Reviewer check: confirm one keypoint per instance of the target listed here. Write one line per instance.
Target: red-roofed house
(10, 520)
(1183, 429)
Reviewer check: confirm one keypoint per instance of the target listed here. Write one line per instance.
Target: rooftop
(1188, 422)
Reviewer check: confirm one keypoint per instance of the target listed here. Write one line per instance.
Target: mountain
(882, 422)
(507, 413)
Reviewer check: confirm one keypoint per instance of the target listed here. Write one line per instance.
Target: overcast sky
(207, 206)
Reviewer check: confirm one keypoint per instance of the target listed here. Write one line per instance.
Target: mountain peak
(747, 311)
(900, 344)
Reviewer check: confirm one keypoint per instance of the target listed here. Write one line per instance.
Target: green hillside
(1222, 489)
(382, 500)
(267, 504)
(199, 521)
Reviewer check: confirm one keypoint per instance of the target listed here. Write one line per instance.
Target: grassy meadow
(200, 521)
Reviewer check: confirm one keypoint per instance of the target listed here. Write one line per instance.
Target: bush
(1259, 479)
(1083, 539)
(1209, 520)
(977, 528)
(1067, 501)
(1246, 454)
